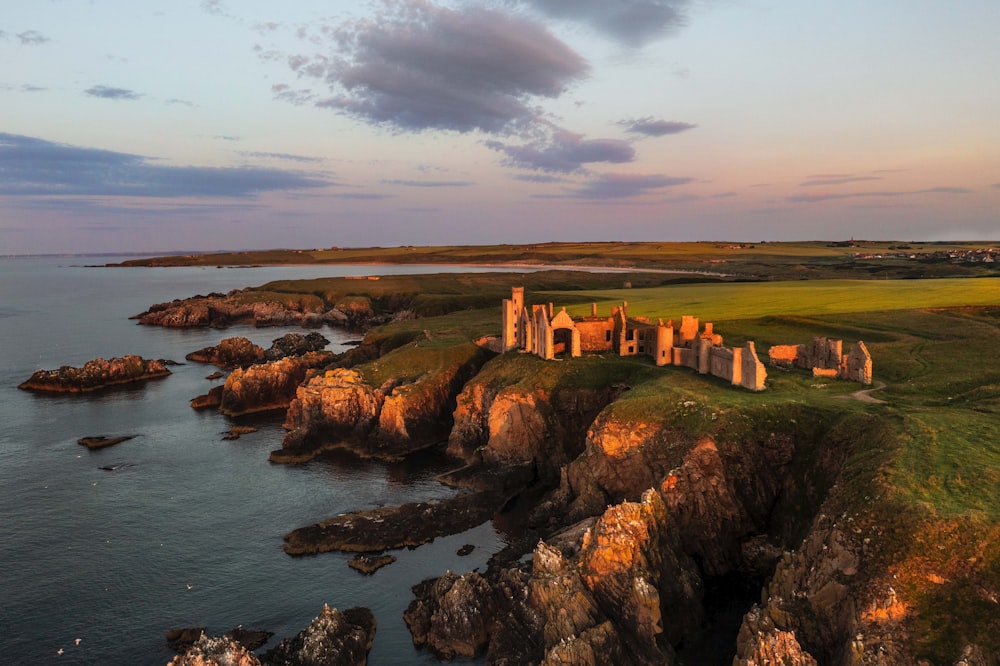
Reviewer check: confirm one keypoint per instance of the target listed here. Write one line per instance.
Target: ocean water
(187, 531)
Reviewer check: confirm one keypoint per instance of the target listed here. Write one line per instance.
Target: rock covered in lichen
(334, 638)
(96, 374)
(216, 651)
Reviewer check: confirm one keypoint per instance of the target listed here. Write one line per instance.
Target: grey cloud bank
(35, 167)
(418, 66)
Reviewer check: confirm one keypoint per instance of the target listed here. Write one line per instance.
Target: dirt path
(865, 395)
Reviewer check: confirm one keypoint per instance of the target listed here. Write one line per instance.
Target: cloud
(813, 198)
(564, 152)
(173, 101)
(835, 179)
(631, 22)
(538, 178)
(107, 92)
(416, 66)
(28, 88)
(363, 196)
(996, 185)
(283, 156)
(625, 185)
(32, 38)
(430, 183)
(34, 167)
(653, 127)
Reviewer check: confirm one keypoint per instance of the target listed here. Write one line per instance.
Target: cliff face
(268, 386)
(524, 424)
(662, 512)
(343, 409)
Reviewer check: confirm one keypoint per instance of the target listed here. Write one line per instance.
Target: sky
(190, 125)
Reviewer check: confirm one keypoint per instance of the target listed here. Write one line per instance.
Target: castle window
(607, 336)
(631, 349)
(642, 350)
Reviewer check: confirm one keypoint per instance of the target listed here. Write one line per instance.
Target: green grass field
(801, 297)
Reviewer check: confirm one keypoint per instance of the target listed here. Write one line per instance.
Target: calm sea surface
(187, 531)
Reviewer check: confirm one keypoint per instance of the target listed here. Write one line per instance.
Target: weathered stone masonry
(826, 359)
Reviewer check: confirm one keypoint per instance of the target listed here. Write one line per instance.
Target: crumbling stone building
(542, 331)
(826, 359)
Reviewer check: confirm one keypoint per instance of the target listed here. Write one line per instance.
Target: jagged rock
(334, 638)
(451, 614)
(211, 651)
(405, 526)
(102, 441)
(761, 644)
(215, 375)
(268, 386)
(337, 405)
(94, 375)
(295, 344)
(340, 409)
(369, 564)
(182, 638)
(251, 639)
(210, 400)
(236, 352)
(465, 550)
(514, 425)
(236, 431)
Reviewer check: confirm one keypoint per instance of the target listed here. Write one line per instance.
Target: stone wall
(596, 334)
(753, 374)
(825, 358)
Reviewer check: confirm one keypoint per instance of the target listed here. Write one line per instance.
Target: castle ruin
(826, 359)
(541, 331)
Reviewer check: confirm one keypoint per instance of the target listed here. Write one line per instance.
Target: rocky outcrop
(102, 441)
(334, 638)
(617, 589)
(268, 386)
(216, 651)
(95, 375)
(761, 644)
(295, 344)
(210, 400)
(236, 352)
(452, 615)
(341, 409)
(504, 426)
(329, 409)
(261, 309)
(404, 526)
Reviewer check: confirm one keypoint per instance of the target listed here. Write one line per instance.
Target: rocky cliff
(376, 411)
(518, 413)
(94, 375)
(666, 502)
(268, 386)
